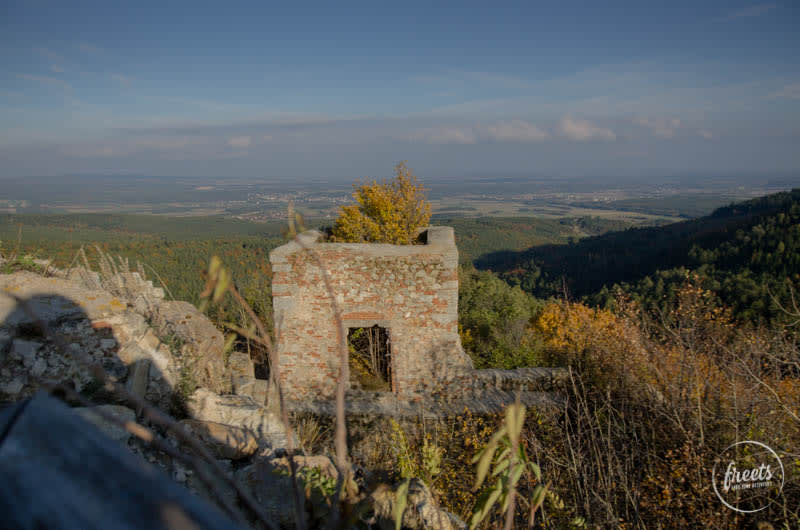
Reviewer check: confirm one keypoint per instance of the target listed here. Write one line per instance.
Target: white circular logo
(748, 476)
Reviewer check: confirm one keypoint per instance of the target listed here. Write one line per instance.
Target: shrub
(386, 212)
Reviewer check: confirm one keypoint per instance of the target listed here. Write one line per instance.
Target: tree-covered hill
(478, 236)
(745, 252)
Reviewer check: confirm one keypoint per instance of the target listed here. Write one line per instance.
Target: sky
(346, 90)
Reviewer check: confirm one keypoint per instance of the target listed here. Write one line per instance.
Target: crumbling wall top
(438, 240)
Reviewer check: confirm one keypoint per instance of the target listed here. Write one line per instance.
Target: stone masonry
(411, 290)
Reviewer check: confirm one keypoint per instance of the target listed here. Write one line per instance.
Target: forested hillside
(747, 253)
(59, 236)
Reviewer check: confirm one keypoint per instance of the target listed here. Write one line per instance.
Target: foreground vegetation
(659, 383)
(653, 398)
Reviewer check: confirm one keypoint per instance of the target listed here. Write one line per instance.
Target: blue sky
(345, 90)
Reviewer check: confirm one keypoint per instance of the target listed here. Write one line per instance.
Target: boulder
(138, 377)
(321, 462)
(239, 411)
(251, 387)
(239, 364)
(272, 490)
(202, 342)
(422, 511)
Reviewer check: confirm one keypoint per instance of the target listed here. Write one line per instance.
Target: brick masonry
(412, 290)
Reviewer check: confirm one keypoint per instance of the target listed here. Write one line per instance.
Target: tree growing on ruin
(390, 211)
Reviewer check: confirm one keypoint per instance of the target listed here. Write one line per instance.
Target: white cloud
(240, 142)
(516, 131)
(660, 127)
(582, 130)
(706, 134)
(446, 135)
(57, 68)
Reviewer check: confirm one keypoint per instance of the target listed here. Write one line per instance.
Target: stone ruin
(148, 344)
(410, 291)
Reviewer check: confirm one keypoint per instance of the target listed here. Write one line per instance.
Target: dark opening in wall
(370, 358)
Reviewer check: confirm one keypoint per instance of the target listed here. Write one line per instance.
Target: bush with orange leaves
(655, 396)
(386, 212)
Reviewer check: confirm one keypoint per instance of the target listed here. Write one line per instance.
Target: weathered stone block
(239, 411)
(239, 363)
(251, 387)
(138, 377)
(204, 342)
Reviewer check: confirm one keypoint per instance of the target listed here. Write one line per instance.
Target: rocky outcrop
(199, 343)
(148, 344)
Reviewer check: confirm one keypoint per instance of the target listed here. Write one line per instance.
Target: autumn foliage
(655, 397)
(385, 212)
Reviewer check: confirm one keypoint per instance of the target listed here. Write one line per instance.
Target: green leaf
(486, 456)
(539, 494)
(480, 509)
(515, 475)
(515, 418)
(494, 494)
(223, 282)
(400, 503)
(214, 266)
(536, 470)
(500, 467)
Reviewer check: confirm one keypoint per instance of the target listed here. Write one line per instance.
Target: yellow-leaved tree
(386, 212)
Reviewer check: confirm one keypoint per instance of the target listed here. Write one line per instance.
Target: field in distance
(632, 201)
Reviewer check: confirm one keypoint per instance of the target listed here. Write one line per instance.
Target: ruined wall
(410, 289)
